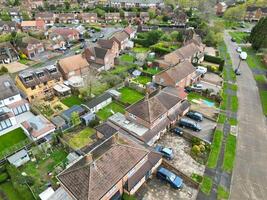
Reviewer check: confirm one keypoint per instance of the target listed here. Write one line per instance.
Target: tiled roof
(7, 87)
(73, 63)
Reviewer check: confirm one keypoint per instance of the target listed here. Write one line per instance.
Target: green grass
(215, 149)
(98, 88)
(129, 95)
(121, 68)
(23, 61)
(197, 178)
(10, 191)
(152, 70)
(263, 96)
(81, 139)
(127, 58)
(222, 193)
(46, 163)
(12, 140)
(240, 37)
(140, 49)
(106, 112)
(229, 153)
(221, 118)
(253, 60)
(143, 79)
(234, 103)
(206, 185)
(233, 121)
(193, 95)
(260, 78)
(71, 101)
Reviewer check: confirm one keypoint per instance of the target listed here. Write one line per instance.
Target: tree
(67, 5)
(258, 35)
(25, 16)
(75, 119)
(235, 13)
(3, 70)
(5, 16)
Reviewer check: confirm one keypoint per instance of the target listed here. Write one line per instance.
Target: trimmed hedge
(214, 59)
(3, 177)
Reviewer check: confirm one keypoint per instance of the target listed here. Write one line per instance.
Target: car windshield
(172, 177)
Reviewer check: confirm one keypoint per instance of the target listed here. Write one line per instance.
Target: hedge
(3, 177)
(214, 59)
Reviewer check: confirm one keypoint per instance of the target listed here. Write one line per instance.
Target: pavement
(249, 174)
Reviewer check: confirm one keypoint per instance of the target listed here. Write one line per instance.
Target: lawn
(45, 164)
(127, 58)
(222, 193)
(215, 149)
(109, 110)
(260, 78)
(240, 37)
(229, 153)
(263, 96)
(233, 121)
(99, 88)
(221, 118)
(140, 49)
(81, 139)
(9, 191)
(12, 140)
(71, 101)
(206, 185)
(121, 68)
(143, 79)
(253, 60)
(129, 95)
(193, 95)
(234, 103)
(152, 70)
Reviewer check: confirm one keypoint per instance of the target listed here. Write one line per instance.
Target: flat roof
(135, 128)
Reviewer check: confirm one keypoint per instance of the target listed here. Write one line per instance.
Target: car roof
(167, 150)
(165, 171)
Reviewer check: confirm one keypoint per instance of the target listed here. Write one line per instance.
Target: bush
(3, 177)
(3, 70)
(94, 123)
(216, 60)
(128, 197)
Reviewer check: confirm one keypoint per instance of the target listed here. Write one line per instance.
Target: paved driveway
(250, 174)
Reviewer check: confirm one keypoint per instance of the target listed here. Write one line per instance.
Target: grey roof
(137, 1)
(58, 121)
(100, 52)
(60, 194)
(107, 129)
(7, 87)
(67, 113)
(17, 156)
(93, 103)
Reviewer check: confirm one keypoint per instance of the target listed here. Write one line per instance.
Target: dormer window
(51, 71)
(40, 74)
(29, 78)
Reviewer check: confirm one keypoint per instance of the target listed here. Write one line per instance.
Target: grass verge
(215, 149)
(222, 193)
(206, 185)
(229, 153)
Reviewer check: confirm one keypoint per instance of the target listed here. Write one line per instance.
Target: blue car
(177, 131)
(175, 181)
(166, 152)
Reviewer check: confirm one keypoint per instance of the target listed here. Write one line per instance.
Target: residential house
(179, 18)
(36, 4)
(38, 84)
(99, 58)
(220, 8)
(122, 39)
(66, 114)
(48, 17)
(254, 13)
(8, 53)
(116, 167)
(69, 34)
(112, 17)
(12, 103)
(144, 16)
(38, 127)
(110, 45)
(150, 117)
(87, 4)
(30, 46)
(88, 17)
(136, 3)
(74, 69)
(130, 32)
(37, 25)
(7, 27)
(98, 102)
(19, 158)
(55, 42)
(130, 16)
(66, 17)
(181, 75)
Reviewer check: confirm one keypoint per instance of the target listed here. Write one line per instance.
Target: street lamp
(242, 56)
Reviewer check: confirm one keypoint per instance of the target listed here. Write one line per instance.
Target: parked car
(188, 89)
(197, 87)
(101, 36)
(165, 151)
(94, 40)
(195, 115)
(168, 176)
(177, 131)
(201, 70)
(238, 49)
(185, 123)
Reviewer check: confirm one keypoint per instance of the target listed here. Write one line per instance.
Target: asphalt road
(250, 173)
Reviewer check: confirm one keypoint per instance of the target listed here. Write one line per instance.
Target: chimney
(147, 95)
(88, 158)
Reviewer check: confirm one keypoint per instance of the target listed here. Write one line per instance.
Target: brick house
(112, 17)
(8, 27)
(150, 117)
(181, 75)
(122, 39)
(8, 53)
(110, 45)
(69, 34)
(48, 17)
(31, 47)
(88, 17)
(37, 25)
(130, 32)
(136, 3)
(144, 16)
(254, 13)
(66, 17)
(130, 16)
(116, 167)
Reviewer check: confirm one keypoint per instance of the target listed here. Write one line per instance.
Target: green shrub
(3, 177)
(128, 197)
(216, 60)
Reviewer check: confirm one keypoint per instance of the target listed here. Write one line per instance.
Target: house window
(11, 99)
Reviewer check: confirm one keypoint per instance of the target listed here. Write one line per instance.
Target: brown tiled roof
(73, 63)
(89, 179)
(120, 36)
(88, 15)
(106, 44)
(129, 30)
(175, 74)
(65, 32)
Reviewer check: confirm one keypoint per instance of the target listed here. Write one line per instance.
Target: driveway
(250, 174)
